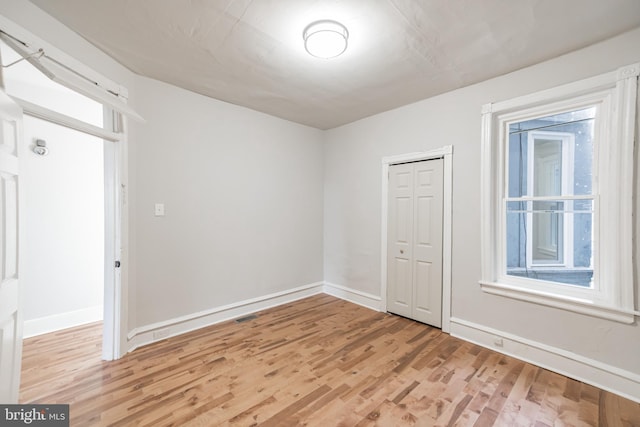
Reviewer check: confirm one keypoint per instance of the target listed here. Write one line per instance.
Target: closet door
(414, 282)
(400, 240)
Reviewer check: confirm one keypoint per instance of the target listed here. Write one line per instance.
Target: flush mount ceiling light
(325, 39)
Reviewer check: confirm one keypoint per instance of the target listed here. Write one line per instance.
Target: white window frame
(568, 144)
(611, 295)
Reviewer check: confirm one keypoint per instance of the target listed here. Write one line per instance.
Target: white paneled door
(10, 319)
(414, 258)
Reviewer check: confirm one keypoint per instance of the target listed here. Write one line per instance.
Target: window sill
(581, 306)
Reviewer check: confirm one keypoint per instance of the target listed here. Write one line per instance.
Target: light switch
(159, 209)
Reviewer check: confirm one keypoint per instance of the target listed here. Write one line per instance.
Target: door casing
(114, 337)
(445, 153)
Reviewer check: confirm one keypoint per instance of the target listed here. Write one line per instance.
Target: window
(557, 189)
(547, 183)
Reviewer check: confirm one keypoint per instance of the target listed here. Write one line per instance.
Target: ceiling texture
(251, 52)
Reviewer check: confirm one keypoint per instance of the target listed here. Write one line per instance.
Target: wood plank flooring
(319, 361)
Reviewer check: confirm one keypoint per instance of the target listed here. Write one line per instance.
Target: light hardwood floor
(319, 361)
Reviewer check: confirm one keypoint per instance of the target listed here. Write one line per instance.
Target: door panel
(423, 224)
(423, 299)
(10, 220)
(428, 247)
(403, 287)
(403, 214)
(418, 296)
(400, 295)
(10, 316)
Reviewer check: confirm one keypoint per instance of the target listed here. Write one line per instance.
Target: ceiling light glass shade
(325, 39)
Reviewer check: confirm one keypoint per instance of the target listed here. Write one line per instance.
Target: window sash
(595, 292)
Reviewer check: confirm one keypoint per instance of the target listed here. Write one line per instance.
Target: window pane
(25, 81)
(547, 166)
(551, 240)
(547, 233)
(555, 153)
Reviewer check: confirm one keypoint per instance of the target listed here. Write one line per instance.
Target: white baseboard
(56, 322)
(180, 325)
(357, 297)
(596, 373)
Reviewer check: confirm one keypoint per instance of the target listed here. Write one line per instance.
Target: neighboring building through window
(550, 199)
(557, 190)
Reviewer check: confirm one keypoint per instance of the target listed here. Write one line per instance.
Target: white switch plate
(159, 209)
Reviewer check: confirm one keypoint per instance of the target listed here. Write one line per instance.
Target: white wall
(353, 190)
(243, 194)
(64, 242)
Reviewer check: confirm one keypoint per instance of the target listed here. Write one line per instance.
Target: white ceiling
(251, 53)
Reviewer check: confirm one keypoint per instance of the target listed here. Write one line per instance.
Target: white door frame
(115, 158)
(445, 153)
(114, 330)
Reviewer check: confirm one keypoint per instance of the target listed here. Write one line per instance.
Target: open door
(10, 315)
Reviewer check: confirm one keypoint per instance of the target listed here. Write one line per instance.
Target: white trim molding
(352, 295)
(445, 153)
(590, 371)
(575, 305)
(56, 322)
(161, 330)
(44, 113)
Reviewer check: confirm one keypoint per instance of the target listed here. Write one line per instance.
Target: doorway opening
(69, 155)
(63, 184)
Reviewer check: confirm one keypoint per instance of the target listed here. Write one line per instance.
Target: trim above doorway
(445, 153)
(40, 112)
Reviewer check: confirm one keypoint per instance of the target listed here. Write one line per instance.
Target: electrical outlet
(160, 333)
(159, 210)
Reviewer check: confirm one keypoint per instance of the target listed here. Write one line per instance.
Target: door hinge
(117, 264)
